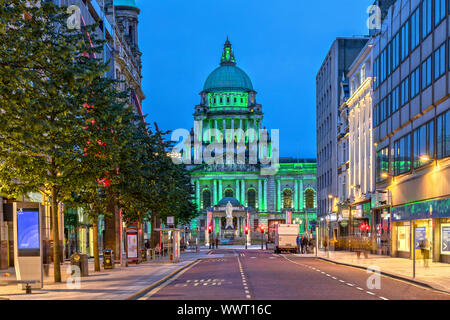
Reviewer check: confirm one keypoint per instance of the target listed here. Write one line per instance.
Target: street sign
(170, 220)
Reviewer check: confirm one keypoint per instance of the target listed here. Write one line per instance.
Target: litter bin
(108, 259)
(81, 261)
(144, 254)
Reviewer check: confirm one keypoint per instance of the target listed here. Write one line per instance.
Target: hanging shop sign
(445, 238)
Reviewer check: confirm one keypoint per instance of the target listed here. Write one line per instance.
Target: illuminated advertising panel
(28, 241)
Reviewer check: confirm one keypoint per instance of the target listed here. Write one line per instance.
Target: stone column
(278, 206)
(260, 205)
(197, 193)
(243, 193)
(224, 130)
(215, 130)
(296, 196)
(220, 191)
(214, 192)
(238, 191)
(301, 205)
(265, 195)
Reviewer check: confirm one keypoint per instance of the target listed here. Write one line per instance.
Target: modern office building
(341, 55)
(411, 121)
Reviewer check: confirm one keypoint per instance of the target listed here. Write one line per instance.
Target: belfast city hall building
(235, 193)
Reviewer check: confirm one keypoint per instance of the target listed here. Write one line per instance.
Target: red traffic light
(261, 228)
(246, 229)
(210, 228)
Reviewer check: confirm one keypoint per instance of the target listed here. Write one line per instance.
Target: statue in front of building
(229, 213)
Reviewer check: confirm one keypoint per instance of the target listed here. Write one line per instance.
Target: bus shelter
(169, 248)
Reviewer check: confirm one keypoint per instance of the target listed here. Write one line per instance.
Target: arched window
(309, 199)
(206, 199)
(251, 198)
(287, 199)
(229, 193)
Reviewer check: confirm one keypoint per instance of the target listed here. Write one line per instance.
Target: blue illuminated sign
(28, 229)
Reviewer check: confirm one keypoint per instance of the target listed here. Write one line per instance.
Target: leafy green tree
(46, 75)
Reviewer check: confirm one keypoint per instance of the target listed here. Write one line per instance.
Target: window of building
(443, 135)
(423, 144)
(404, 97)
(389, 105)
(405, 40)
(287, 199)
(415, 82)
(383, 112)
(439, 62)
(251, 198)
(382, 164)
(395, 99)
(402, 155)
(395, 51)
(388, 58)
(426, 73)
(376, 71)
(415, 29)
(383, 66)
(229, 193)
(309, 199)
(439, 11)
(206, 199)
(426, 18)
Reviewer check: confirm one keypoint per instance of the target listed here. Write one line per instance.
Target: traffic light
(261, 228)
(210, 229)
(246, 229)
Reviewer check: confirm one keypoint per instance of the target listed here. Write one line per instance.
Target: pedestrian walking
(298, 244)
(304, 245)
(217, 243)
(425, 246)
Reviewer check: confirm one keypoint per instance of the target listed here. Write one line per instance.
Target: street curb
(422, 284)
(159, 282)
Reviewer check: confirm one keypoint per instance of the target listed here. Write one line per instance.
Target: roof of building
(228, 76)
(125, 3)
(234, 202)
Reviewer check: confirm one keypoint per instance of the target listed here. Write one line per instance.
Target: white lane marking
(371, 293)
(166, 283)
(341, 281)
(244, 281)
(334, 278)
(360, 288)
(351, 285)
(383, 298)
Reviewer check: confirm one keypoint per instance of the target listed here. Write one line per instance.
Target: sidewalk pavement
(119, 283)
(435, 275)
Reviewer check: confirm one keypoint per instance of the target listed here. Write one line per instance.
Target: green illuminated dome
(125, 3)
(228, 77)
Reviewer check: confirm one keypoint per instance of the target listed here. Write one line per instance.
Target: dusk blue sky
(279, 44)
